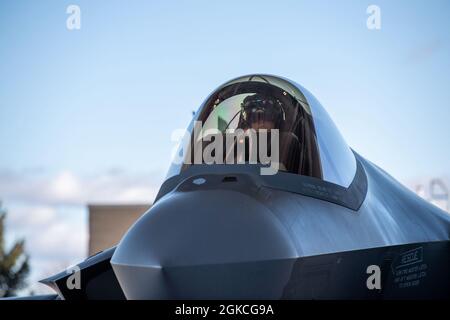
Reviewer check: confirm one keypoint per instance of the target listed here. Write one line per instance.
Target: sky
(86, 115)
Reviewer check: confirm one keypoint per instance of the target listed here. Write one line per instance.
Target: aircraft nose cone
(203, 245)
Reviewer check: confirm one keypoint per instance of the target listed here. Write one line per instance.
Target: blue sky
(102, 101)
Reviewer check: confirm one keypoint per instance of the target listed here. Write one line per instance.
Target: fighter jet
(265, 200)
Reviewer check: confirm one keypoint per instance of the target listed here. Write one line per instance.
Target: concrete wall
(108, 223)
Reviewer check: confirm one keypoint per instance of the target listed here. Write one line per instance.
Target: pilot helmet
(260, 111)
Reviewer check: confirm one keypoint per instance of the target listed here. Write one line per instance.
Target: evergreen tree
(14, 266)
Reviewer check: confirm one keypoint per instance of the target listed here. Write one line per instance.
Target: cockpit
(256, 118)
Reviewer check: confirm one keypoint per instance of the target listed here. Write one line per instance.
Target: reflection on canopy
(309, 143)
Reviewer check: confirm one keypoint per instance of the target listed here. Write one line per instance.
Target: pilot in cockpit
(244, 113)
(258, 112)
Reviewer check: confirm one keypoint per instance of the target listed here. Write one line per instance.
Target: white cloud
(66, 188)
(36, 216)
